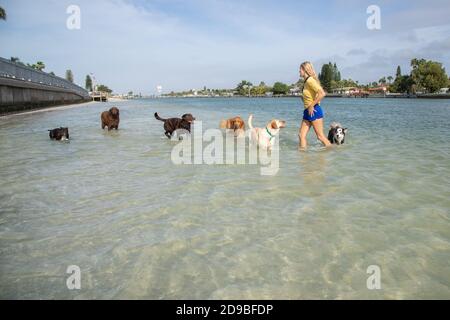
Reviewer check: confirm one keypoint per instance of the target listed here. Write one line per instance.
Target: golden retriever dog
(236, 124)
(111, 119)
(265, 137)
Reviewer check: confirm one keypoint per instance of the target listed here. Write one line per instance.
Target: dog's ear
(274, 124)
(345, 130)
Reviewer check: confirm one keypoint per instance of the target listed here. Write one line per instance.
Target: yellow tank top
(310, 90)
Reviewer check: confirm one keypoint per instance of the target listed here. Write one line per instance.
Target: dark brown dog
(111, 119)
(170, 125)
(60, 134)
(236, 124)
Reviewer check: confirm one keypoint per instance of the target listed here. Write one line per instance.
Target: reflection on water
(140, 227)
(313, 168)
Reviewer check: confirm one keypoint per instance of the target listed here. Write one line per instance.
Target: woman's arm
(319, 97)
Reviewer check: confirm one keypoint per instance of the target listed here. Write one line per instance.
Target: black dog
(173, 124)
(337, 134)
(60, 134)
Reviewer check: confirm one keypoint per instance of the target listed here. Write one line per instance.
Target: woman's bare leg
(318, 128)
(304, 129)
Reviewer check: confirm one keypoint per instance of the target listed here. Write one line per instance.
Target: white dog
(265, 138)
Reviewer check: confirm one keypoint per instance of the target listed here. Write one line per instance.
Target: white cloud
(136, 46)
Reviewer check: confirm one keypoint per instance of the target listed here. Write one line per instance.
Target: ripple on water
(140, 227)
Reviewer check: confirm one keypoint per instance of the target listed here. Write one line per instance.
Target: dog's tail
(250, 119)
(159, 118)
(335, 125)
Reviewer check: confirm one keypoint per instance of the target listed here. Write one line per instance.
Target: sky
(136, 45)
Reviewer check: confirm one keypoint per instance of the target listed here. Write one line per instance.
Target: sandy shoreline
(55, 108)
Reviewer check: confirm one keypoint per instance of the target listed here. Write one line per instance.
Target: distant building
(345, 90)
(377, 90)
(295, 91)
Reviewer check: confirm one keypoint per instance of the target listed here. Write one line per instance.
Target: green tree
(399, 72)
(402, 84)
(428, 75)
(243, 87)
(330, 76)
(344, 83)
(390, 78)
(39, 66)
(382, 80)
(17, 61)
(88, 83)
(103, 88)
(326, 76)
(336, 73)
(280, 88)
(52, 73)
(2, 14)
(69, 75)
(260, 89)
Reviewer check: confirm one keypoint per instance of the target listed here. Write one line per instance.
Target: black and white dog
(337, 133)
(59, 134)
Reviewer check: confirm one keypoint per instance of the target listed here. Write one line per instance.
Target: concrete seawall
(17, 95)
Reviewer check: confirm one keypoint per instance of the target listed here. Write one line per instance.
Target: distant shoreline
(424, 96)
(72, 106)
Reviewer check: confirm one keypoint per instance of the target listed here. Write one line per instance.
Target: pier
(24, 88)
(99, 96)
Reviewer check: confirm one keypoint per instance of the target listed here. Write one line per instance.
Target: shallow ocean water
(141, 227)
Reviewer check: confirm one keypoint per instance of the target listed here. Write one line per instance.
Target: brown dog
(111, 119)
(173, 124)
(236, 124)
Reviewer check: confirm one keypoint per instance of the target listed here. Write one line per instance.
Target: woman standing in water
(313, 114)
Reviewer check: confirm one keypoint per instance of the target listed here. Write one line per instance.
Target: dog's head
(188, 117)
(114, 112)
(277, 124)
(60, 134)
(337, 133)
(237, 123)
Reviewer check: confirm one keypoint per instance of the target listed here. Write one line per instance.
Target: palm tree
(2, 14)
(69, 75)
(390, 78)
(39, 66)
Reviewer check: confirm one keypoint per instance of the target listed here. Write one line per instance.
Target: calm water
(139, 226)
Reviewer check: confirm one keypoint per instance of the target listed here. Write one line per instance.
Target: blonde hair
(309, 70)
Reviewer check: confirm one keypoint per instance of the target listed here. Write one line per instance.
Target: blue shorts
(318, 114)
